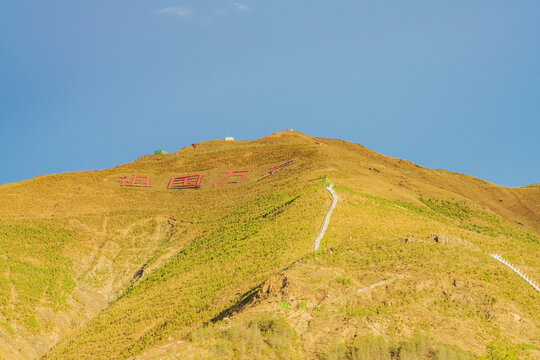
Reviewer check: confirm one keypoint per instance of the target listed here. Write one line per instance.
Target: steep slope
(95, 235)
(115, 271)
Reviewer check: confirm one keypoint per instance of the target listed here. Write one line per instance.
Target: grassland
(451, 301)
(36, 271)
(102, 271)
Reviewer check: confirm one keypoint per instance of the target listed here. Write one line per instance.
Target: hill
(208, 253)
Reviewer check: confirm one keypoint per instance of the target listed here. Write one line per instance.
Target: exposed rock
(451, 240)
(408, 238)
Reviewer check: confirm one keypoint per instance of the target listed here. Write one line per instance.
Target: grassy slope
(205, 249)
(465, 303)
(114, 231)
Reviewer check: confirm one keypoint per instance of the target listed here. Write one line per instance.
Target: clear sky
(446, 84)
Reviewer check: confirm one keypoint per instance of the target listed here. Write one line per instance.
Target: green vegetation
(503, 349)
(452, 209)
(372, 347)
(419, 346)
(263, 337)
(243, 248)
(344, 280)
(139, 266)
(385, 218)
(529, 347)
(481, 229)
(481, 222)
(34, 270)
(417, 209)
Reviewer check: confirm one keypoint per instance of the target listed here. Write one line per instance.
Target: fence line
(516, 270)
(317, 243)
(328, 215)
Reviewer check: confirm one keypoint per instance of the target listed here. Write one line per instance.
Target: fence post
(525, 277)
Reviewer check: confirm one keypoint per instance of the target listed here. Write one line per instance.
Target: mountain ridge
(114, 241)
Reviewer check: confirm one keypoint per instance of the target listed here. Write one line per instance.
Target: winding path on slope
(327, 221)
(327, 218)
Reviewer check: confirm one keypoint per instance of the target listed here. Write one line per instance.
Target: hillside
(102, 265)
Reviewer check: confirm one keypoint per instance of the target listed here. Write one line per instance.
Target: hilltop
(166, 257)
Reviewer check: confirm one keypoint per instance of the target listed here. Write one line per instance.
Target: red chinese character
(275, 169)
(185, 182)
(241, 173)
(141, 181)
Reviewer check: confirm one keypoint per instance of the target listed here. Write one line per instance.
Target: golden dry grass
(203, 250)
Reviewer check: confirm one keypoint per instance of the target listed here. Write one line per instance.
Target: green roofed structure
(158, 152)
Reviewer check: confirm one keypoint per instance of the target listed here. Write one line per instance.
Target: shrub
(502, 349)
(337, 352)
(371, 348)
(266, 335)
(448, 208)
(452, 352)
(420, 346)
(344, 281)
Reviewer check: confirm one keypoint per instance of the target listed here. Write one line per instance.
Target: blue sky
(446, 84)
